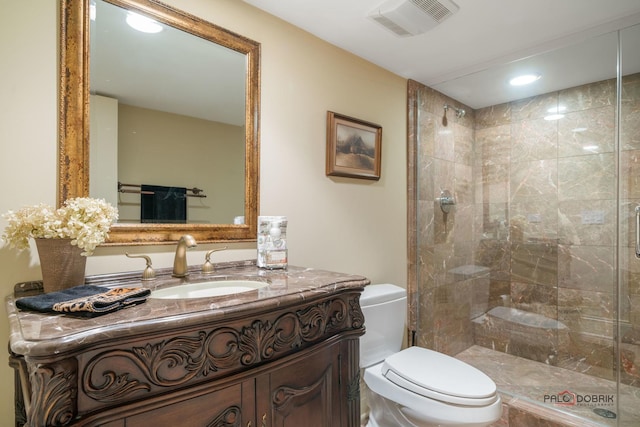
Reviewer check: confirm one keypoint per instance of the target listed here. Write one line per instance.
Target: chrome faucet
(180, 261)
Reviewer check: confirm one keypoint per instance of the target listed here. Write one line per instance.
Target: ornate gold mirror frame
(73, 144)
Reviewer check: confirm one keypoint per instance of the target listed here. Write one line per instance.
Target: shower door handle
(637, 231)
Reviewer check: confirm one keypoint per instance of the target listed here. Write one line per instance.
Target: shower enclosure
(522, 236)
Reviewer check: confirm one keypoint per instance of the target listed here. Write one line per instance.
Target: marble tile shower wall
(533, 228)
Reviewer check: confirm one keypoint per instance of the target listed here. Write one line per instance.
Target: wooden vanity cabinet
(307, 389)
(227, 406)
(285, 362)
(308, 392)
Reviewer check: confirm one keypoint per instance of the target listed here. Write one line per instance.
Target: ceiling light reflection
(558, 109)
(554, 117)
(142, 23)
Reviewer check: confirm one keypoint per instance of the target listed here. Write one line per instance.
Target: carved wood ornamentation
(230, 417)
(357, 317)
(353, 381)
(286, 398)
(53, 402)
(208, 353)
(353, 388)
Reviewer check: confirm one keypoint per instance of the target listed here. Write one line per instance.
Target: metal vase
(61, 263)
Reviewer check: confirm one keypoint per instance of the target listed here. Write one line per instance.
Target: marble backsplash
(536, 208)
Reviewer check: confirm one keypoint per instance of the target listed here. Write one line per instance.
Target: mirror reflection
(176, 109)
(167, 121)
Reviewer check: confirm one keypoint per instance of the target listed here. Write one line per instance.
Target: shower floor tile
(556, 394)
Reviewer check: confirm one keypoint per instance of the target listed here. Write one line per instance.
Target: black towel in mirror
(163, 204)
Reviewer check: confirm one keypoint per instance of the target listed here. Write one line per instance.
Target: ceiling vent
(412, 17)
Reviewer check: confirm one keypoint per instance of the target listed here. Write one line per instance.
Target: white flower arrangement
(84, 220)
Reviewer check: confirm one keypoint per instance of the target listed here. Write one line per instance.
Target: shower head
(460, 112)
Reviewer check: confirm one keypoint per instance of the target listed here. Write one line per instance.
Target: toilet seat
(438, 376)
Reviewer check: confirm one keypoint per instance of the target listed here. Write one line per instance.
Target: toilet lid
(438, 376)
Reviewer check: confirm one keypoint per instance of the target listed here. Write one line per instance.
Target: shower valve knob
(446, 200)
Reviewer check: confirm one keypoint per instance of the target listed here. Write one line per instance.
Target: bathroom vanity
(282, 355)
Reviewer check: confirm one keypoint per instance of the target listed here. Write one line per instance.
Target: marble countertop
(34, 334)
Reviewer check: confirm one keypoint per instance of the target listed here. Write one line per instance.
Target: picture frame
(353, 147)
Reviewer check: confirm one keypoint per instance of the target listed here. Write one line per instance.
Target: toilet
(417, 386)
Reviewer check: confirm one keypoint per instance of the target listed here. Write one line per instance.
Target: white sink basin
(213, 288)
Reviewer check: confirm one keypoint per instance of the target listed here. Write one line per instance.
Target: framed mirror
(129, 128)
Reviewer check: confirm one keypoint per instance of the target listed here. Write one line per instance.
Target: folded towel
(84, 300)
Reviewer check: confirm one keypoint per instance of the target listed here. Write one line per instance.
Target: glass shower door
(532, 275)
(629, 235)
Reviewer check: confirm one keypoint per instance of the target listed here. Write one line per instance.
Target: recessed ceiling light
(525, 79)
(142, 23)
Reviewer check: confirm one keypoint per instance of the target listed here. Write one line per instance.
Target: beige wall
(346, 225)
(160, 148)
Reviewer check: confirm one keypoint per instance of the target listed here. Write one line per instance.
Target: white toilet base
(385, 413)
(418, 411)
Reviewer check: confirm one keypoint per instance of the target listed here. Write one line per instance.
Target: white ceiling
(170, 71)
(469, 56)
(483, 37)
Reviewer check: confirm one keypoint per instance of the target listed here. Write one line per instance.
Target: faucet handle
(148, 273)
(208, 267)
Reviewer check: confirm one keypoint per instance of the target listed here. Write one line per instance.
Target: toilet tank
(385, 311)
